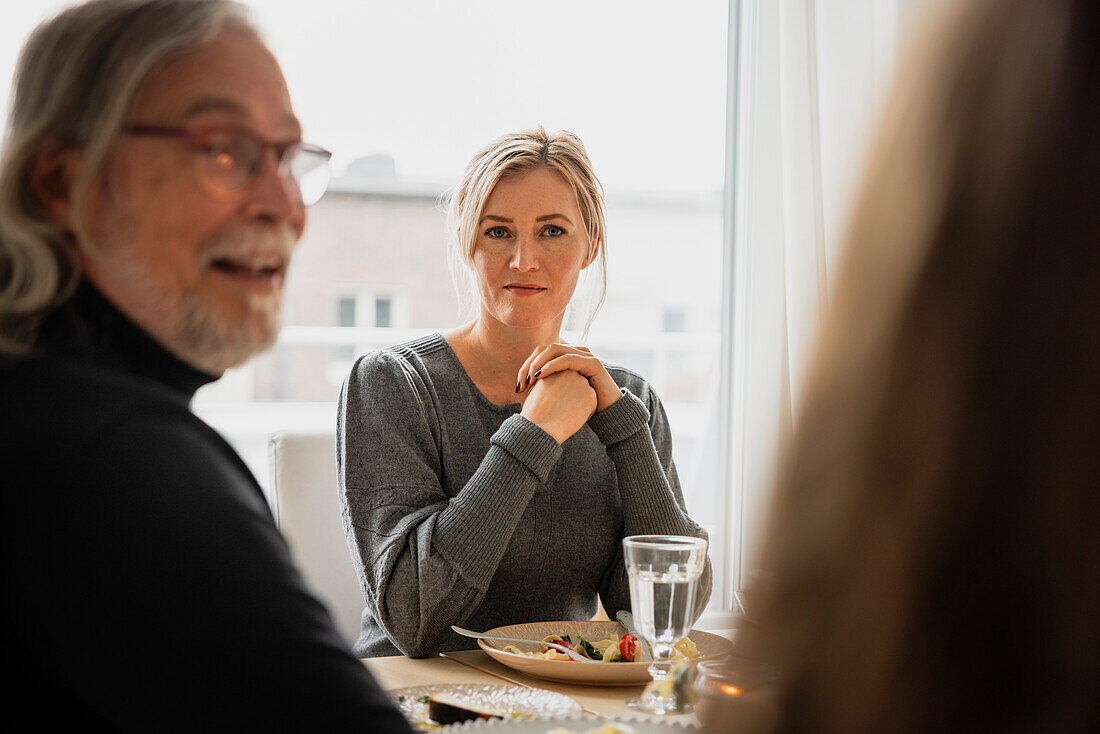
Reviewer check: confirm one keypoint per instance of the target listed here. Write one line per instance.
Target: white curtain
(810, 77)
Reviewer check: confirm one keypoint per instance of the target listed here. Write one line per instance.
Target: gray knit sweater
(460, 511)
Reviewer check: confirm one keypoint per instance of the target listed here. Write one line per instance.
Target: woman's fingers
(575, 362)
(523, 378)
(532, 366)
(592, 369)
(550, 359)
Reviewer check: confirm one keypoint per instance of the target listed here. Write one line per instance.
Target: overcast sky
(643, 82)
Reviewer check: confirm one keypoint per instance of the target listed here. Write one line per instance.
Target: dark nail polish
(529, 379)
(517, 385)
(538, 373)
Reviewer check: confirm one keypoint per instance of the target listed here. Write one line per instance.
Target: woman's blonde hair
(932, 551)
(513, 154)
(75, 81)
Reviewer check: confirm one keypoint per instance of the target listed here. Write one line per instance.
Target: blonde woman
(934, 552)
(489, 474)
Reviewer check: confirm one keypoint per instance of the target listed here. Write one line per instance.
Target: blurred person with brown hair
(933, 553)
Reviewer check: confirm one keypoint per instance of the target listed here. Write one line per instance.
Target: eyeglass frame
(196, 138)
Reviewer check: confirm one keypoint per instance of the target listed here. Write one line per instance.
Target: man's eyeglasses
(229, 159)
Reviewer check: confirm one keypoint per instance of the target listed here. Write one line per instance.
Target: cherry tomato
(628, 647)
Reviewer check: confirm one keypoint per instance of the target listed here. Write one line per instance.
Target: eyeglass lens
(231, 162)
(309, 167)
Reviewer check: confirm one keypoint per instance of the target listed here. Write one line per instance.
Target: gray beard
(195, 330)
(214, 346)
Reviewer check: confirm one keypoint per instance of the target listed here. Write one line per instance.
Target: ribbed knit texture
(648, 507)
(533, 447)
(520, 450)
(623, 419)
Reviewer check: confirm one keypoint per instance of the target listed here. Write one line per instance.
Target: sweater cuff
(528, 444)
(621, 421)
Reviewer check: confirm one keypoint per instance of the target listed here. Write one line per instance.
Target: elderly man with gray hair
(153, 184)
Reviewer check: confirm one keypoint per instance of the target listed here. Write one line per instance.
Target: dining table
(477, 668)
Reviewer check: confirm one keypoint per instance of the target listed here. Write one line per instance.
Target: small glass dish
(735, 695)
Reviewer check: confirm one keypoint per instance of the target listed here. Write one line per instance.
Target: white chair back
(306, 506)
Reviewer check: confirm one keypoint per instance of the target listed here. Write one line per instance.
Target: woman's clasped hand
(563, 386)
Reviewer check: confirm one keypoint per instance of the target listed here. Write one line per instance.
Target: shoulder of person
(396, 374)
(58, 400)
(408, 357)
(199, 479)
(632, 381)
(97, 444)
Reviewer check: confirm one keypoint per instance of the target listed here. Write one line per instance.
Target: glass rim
(735, 666)
(685, 542)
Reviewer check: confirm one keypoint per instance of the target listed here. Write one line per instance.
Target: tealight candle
(735, 695)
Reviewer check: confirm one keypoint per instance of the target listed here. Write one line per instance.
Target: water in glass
(663, 571)
(663, 604)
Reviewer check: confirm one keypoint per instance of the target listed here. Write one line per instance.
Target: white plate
(579, 724)
(524, 703)
(592, 674)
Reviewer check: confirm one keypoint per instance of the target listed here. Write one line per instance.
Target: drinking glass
(663, 571)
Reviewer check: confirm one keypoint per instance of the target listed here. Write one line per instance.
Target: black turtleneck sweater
(147, 586)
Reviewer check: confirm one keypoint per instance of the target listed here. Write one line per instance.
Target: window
(404, 94)
(406, 111)
(346, 310)
(675, 319)
(383, 313)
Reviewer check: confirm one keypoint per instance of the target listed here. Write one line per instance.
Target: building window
(675, 319)
(346, 310)
(383, 313)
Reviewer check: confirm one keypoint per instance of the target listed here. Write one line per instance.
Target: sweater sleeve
(425, 560)
(639, 441)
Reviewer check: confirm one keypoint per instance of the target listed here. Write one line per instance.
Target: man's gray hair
(76, 79)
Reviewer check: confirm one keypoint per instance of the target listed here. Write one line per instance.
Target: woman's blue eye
(497, 232)
(554, 231)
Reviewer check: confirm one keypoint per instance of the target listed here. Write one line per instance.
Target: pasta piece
(686, 648)
(548, 654)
